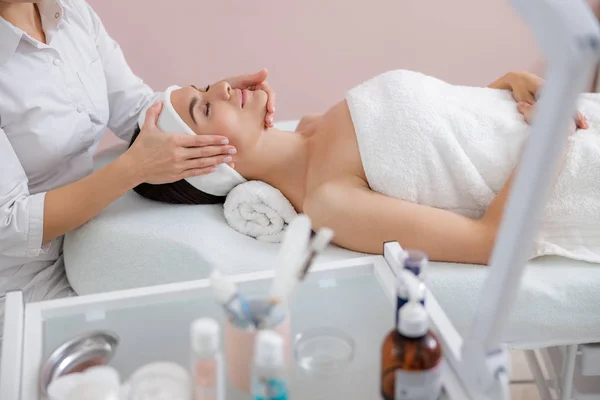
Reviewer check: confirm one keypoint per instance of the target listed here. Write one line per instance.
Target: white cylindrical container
(208, 375)
(159, 381)
(97, 383)
(269, 374)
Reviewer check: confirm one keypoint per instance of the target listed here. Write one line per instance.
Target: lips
(244, 97)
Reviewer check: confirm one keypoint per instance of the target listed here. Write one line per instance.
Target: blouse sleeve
(21, 213)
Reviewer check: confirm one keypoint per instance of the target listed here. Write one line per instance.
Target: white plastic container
(207, 360)
(96, 383)
(269, 372)
(160, 380)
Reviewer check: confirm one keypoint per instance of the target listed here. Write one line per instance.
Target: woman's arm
(363, 220)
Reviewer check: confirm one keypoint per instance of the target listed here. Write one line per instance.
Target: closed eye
(195, 101)
(207, 111)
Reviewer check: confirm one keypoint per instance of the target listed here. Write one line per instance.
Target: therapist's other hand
(525, 88)
(257, 81)
(161, 157)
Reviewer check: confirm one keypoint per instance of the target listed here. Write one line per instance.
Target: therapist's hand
(160, 157)
(525, 88)
(257, 81)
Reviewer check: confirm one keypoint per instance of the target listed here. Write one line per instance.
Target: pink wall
(317, 49)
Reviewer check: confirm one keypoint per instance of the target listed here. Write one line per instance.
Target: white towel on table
(259, 210)
(453, 147)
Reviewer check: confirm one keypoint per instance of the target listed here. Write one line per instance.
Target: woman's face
(221, 110)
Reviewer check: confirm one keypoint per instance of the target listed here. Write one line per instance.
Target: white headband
(218, 183)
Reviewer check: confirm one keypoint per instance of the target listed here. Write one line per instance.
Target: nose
(224, 90)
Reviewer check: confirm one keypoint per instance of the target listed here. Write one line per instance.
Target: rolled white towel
(259, 210)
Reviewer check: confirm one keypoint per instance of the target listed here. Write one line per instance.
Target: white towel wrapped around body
(453, 147)
(258, 210)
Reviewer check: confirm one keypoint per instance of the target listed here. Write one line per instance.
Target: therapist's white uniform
(55, 102)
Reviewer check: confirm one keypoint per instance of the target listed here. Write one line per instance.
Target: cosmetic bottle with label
(411, 355)
(269, 374)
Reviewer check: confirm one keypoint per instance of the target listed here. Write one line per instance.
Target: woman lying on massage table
(404, 157)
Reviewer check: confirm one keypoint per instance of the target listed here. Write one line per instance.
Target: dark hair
(180, 192)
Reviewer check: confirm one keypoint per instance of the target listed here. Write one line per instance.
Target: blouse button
(56, 62)
(80, 109)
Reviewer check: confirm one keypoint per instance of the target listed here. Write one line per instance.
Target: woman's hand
(527, 110)
(525, 88)
(257, 81)
(161, 157)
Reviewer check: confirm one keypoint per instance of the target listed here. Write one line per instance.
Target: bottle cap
(413, 320)
(224, 288)
(205, 335)
(268, 350)
(415, 261)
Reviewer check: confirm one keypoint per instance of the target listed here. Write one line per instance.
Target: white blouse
(55, 102)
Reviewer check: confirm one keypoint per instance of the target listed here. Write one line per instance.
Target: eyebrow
(192, 105)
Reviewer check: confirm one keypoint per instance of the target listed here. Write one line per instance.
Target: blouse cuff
(36, 226)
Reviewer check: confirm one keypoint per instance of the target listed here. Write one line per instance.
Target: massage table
(137, 242)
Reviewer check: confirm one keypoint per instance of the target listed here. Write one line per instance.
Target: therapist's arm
(29, 221)
(68, 207)
(155, 157)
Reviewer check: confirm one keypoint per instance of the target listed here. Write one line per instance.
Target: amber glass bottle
(411, 358)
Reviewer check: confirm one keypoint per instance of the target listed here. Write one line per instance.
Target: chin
(262, 106)
(261, 98)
